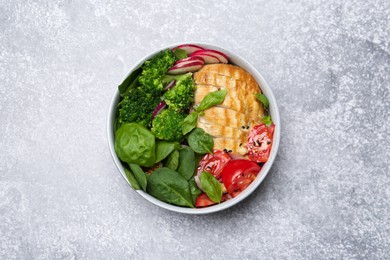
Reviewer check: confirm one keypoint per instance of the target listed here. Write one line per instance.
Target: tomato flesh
(204, 201)
(238, 174)
(260, 142)
(213, 163)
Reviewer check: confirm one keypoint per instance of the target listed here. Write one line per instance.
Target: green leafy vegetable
(267, 120)
(263, 99)
(186, 167)
(181, 96)
(169, 186)
(211, 186)
(135, 144)
(172, 161)
(195, 191)
(139, 175)
(180, 54)
(200, 141)
(129, 80)
(211, 99)
(131, 178)
(143, 95)
(163, 149)
(190, 122)
(168, 125)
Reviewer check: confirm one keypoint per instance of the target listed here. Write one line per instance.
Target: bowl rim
(266, 167)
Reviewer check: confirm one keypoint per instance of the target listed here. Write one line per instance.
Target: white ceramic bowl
(234, 59)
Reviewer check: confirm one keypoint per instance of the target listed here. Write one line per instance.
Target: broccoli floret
(168, 125)
(137, 106)
(181, 96)
(153, 70)
(144, 94)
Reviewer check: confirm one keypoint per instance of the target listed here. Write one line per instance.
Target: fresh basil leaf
(195, 191)
(135, 144)
(180, 54)
(186, 167)
(211, 99)
(200, 141)
(163, 149)
(131, 178)
(139, 175)
(189, 122)
(169, 186)
(129, 80)
(267, 120)
(211, 186)
(172, 161)
(263, 99)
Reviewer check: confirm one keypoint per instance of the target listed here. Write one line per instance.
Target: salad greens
(211, 186)
(211, 99)
(263, 99)
(195, 191)
(169, 186)
(135, 144)
(180, 54)
(189, 122)
(200, 141)
(139, 175)
(131, 178)
(163, 149)
(172, 161)
(186, 167)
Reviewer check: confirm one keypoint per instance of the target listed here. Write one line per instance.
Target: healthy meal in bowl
(192, 129)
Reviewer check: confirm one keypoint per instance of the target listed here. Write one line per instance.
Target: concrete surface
(327, 196)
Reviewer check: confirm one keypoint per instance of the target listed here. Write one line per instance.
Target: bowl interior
(236, 60)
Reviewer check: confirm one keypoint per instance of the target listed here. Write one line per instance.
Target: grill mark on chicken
(230, 122)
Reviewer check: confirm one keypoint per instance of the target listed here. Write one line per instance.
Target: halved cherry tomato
(203, 200)
(260, 142)
(238, 174)
(213, 163)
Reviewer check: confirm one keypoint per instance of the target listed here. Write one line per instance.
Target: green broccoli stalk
(145, 92)
(181, 96)
(168, 125)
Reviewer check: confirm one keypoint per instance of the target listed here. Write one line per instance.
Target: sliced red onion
(170, 85)
(159, 108)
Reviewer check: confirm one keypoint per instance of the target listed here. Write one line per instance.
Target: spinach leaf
(186, 167)
(131, 178)
(211, 99)
(195, 191)
(267, 120)
(135, 144)
(211, 186)
(172, 161)
(200, 141)
(139, 175)
(189, 122)
(129, 80)
(169, 186)
(163, 149)
(180, 54)
(263, 99)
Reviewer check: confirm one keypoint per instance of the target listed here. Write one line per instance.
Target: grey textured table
(327, 195)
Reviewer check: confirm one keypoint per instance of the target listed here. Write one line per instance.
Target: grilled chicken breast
(230, 122)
